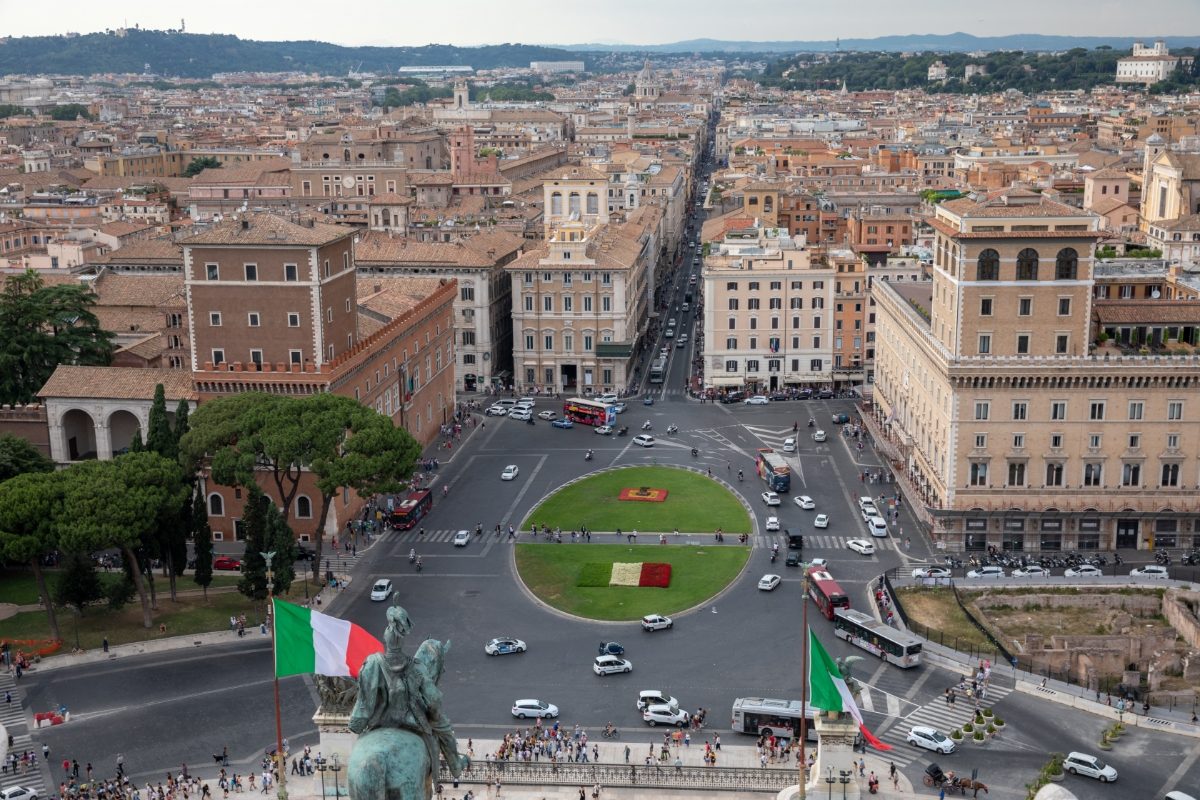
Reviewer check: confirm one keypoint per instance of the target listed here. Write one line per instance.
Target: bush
(956, 735)
(987, 712)
(967, 728)
(978, 736)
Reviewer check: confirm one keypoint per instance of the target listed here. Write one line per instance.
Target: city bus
(406, 513)
(762, 716)
(658, 370)
(825, 592)
(774, 470)
(589, 412)
(896, 647)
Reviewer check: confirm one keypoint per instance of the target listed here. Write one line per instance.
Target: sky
(475, 22)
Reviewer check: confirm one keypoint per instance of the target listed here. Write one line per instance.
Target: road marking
(1176, 777)
(517, 500)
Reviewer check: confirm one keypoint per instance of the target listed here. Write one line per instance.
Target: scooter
(646, 425)
(412, 556)
(587, 456)
(695, 452)
(811, 422)
(774, 555)
(672, 429)
(622, 431)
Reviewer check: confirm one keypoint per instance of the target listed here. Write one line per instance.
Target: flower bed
(643, 494)
(625, 573)
(654, 574)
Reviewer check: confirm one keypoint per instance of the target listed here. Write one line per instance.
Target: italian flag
(827, 689)
(308, 642)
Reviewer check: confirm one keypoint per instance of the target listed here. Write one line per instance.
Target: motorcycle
(695, 452)
(774, 555)
(811, 422)
(622, 431)
(412, 556)
(646, 425)
(419, 565)
(672, 429)
(587, 456)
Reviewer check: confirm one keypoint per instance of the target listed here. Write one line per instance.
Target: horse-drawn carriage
(950, 782)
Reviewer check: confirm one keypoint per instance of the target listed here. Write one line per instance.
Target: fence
(543, 773)
(993, 651)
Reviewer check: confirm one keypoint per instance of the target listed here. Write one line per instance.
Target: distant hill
(914, 42)
(192, 55)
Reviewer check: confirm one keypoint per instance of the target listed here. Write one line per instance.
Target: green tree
(136, 445)
(42, 327)
(8, 110)
(160, 438)
(18, 456)
(202, 543)
(254, 525)
(78, 584)
(199, 164)
(28, 532)
(120, 503)
(182, 424)
(70, 111)
(282, 541)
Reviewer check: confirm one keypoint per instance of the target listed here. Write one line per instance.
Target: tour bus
(774, 470)
(589, 412)
(407, 512)
(658, 370)
(762, 716)
(896, 647)
(825, 592)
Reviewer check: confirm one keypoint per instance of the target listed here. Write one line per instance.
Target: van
(506, 402)
(789, 445)
(1178, 796)
(877, 526)
(527, 401)
(607, 399)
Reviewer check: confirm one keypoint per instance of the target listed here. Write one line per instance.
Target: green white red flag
(309, 642)
(827, 689)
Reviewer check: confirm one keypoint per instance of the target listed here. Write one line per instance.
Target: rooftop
(261, 228)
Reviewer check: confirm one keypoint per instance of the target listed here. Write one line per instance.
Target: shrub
(956, 735)
(978, 736)
(987, 712)
(967, 728)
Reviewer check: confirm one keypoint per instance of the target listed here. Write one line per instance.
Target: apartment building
(768, 312)
(1005, 425)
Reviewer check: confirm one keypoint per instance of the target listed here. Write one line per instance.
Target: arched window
(1066, 264)
(216, 505)
(1027, 265)
(556, 204)
(988, 268)
(573, 203)
(303, 507)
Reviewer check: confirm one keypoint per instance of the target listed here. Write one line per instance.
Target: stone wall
(1140, 604)
(1181, 610)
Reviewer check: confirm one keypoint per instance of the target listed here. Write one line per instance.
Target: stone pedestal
(335, 739)
(835, 750)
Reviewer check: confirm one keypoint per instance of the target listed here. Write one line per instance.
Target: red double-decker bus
(407, 512)
(825, 592)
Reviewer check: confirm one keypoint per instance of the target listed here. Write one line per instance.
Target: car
(603, 430)
(931, 572)
(683, 338)
(1092, 767)
(1154, 571)
(792, 560)
(607, 398)
(654, 697)
(818, 563)
(381, 590)
(818, 436)
(510, 472)
(608, 665)
(681, 342)
(756, 400)
(825, 394)
(656, 622)
(772, 523)
(462, 538)
(524, 405)
(841, 419)
(520, 414)
(821, 521)
(611, 649)
(619, 408)
(547, 415)
(804, 501)
(987, 572)
(670, 334)
(534, 708)
(930, 739)
(563, 423)
(789, 445)
(497, 411)
(1084, 571)
(770, 498)
(877, 527)
(647, 400)
(226, 562)
(643, 440)
(767, 583)
(504, 645)
(18, 793)
(1177, 796)
(861, 546)
(665, 715)
(1031, 571)
(866, 507)
(302, 554)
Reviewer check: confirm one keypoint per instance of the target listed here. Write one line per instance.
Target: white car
(382, 589)
(931, 572)
(987, 572)
(930, 739)
(819, 436)
(805, 502)
(656, 622)
(1154, 571)
(510, 472)
(866, 507)
(772, 523)
(534, 708)
(861, 546)
(546, 415)
(819, 563)
(607, 665)
(643, 440)
(1084, 571)
(603, 430)
(770, 498)
(654, 697)
(821, 521)
(607, 398)
(756, 400)
(1032, 571)
(503, 646)
(665, 715)
(18, 793)
(520, 414)
(1083, 764)
(497, 411)
(462, 538)
(768, 583)
(877, 527)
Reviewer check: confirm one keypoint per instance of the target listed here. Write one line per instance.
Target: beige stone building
(1005, 425)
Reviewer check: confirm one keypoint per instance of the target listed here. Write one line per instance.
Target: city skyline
(623, 22)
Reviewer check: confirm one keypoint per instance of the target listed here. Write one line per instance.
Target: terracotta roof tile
(261, 228)
(117, 383)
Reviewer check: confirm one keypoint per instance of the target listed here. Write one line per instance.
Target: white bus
(762, 716)
(658, 370)
(900, 648)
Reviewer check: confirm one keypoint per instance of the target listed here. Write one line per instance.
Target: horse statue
(398, 716)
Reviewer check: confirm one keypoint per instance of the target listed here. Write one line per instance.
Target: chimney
(245, 224)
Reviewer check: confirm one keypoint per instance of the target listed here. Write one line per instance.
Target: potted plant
(968, 728)
(1054, 769)
(987, 712)
(979, 737)
(956, 735)
(999, 723)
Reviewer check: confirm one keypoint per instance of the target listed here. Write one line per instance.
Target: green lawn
(552, 571)
(694, 504)
(18, 587)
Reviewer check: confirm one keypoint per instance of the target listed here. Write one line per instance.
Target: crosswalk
(814, 541)
(775, 437)
(811, 541)
(14, 718)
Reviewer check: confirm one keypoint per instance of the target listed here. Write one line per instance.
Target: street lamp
(844, 777)
(829, 779)
(336, 767)
(321, 769)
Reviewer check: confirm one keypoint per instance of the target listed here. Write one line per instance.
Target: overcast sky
(473, 22)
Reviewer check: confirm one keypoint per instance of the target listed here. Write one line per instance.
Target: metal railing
(731, 779)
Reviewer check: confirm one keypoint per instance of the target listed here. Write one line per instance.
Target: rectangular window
(548, 341)
(985, 344)
(214, 319)
(985, 306)
(752, 366)
(1136, 407)
(1020, 410)
(733, 304)
(218, 356)
(1093, 474)
(1061, 343)
(568, 343)
(290, 272)
(252, 319)
(251, 272)
(1135, 441)
(567, 279)
(731, 286)
(1170, 474)
(1058, 409)
(295, 356)
(1096, 410)
(1131, 474)
(214, 271)
(1175, 409)
(731, 366)
(979, 473)
(467, 293)
(606, 303)
(587, 301)
(256, 357)
(1064, 306)
(1056, 441)
(981, 410)
(529, 302)
(753, 304)
(981, 441)
(529, 346)
(568, 304)
(468, 338)
(587, 343)
(1018, 441)
(1016, 473)
(606, 279)
(816, 365)
(1023, 343)
(1025, 306)
(1094, 441)
(1172, 441)
(547, 303)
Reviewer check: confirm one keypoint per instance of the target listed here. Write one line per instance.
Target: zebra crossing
(813, 541)
(440, 535)
(935, 714)
(16, 722)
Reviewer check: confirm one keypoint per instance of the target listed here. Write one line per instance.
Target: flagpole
(804, 686)
(280, 756)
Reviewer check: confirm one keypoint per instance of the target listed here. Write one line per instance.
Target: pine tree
(160, 438)
(254, 524)
(281, 540)
(202, 544)
(78, 584)
(182, 421)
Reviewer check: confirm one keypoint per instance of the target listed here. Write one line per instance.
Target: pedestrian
(626, 754)
(104, 643)
(862, 768)
(895, 778)
(892, 769)
(8, 697)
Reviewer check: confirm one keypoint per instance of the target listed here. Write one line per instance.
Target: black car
(792, 560)
(733, 397)
(779, 396)
(805, 393)
(611, 649)
(795, 540)
(303, 554)
(825, 394)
